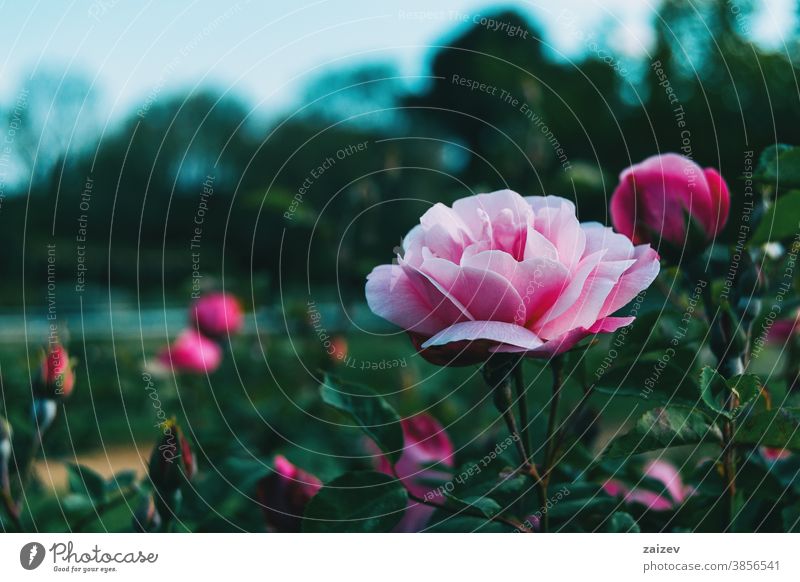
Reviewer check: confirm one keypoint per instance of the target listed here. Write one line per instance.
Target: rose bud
(171, 461)
(338, 349)
(284, 494)
(502, 273)
(56, 376)
(424, 465)
(217, 315)
(655, 197)
(675, 492)
(192, 353)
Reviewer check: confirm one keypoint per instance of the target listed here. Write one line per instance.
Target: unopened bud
(171, 461)
(56, 377)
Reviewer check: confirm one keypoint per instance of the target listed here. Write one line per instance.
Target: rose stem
(522, 402)
(550, 445)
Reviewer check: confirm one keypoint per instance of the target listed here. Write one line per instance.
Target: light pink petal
(586, 309)
(539, 282)
(598, 237)
(568, 340)
(667, 474)
(561, 227)
(392, 296)
(634, 280)
(538, 246)
(445, 233)
(495, 331)
(573, 290)
(473, 208)
(485, 294)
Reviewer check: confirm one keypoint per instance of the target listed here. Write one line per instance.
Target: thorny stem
(550, 442)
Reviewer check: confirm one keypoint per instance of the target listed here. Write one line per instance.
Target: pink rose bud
(502, 273)
(171, 461)
(56, 378)
(217, 315)
(192, 353)
(284, 495)
(338, 349)
(655, 197)
(424, 465)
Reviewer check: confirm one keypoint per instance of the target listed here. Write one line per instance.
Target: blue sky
(268, 50)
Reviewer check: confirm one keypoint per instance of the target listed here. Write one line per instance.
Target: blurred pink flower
(773, 454)
(56, 375)
(284, 495)
(654, 196)
(192, 353)
(502, 273)
(782, 329)
(425, 463)
(217, 315)
(662, 471)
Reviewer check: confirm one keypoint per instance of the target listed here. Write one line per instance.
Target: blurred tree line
(299, 196)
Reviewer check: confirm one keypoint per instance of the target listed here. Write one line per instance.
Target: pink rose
(56, 376)
(653, 198)
(502, 273)
(284, 494)
(426, 460)
(774, 454)
(193, 353)
(662, 471)
(783, 329)
(217, 315)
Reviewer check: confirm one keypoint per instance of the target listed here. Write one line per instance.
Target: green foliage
(779, 428)
(363, 502)
(664, 427)
(369, 410)
(781, 220)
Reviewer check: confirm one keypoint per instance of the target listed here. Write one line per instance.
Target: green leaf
(362, 501)
(712, 385)
(84, 481)
(659, 428)
(369, 410)
(121, 480)
(779, 428)
(486, 505)
(442, 522)
(746, 387)
(780, 221)
(622, 522)
(779, 164)
(651, 379)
